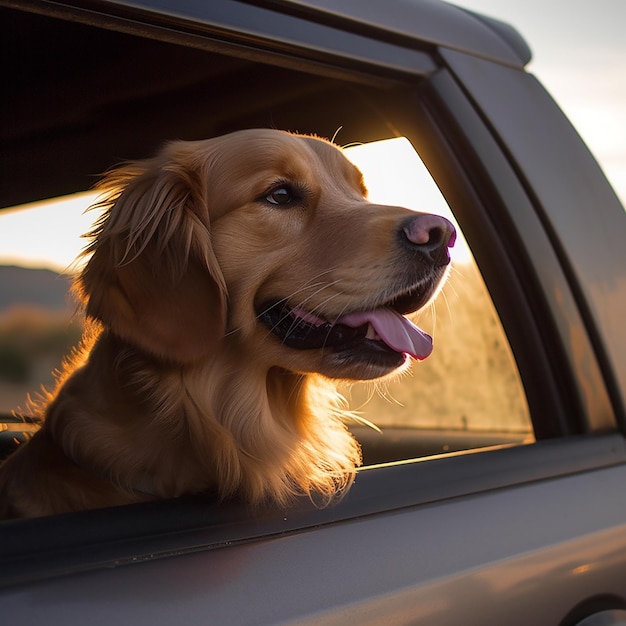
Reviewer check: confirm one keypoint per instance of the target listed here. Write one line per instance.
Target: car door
(495, 493)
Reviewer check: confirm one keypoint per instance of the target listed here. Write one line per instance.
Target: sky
(579, 54)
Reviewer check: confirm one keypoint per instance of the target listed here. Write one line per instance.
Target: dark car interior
(104, 96)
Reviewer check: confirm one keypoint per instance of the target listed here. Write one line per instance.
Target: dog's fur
(179, 387)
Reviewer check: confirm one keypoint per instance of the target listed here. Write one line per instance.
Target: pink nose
(431, 234)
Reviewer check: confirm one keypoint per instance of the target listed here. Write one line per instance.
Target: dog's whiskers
(316, 292)
(307, 285)
(336, 318)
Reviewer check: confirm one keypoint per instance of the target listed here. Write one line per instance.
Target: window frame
(518, 263)
(75, 543)
(588, 319)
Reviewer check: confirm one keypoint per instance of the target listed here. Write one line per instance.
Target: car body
(510, 534)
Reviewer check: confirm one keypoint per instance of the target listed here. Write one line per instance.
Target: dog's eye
(280, 195)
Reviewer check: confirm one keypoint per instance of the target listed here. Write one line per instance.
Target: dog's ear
(152, 277)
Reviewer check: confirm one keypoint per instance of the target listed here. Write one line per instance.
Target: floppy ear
(153, 278)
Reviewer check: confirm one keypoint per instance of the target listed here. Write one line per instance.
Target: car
(498, 495)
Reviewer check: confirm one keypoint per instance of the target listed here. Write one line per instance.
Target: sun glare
(394, 174)
(49, 234)
(46, 234)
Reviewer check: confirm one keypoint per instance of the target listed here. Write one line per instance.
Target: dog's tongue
(395, 330)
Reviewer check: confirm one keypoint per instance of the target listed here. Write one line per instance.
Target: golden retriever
(227, 281)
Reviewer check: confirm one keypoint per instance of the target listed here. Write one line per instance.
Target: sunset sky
(579, 54)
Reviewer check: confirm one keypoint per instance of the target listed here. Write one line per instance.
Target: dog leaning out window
(223, 278)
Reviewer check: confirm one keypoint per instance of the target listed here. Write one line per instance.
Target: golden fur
(179, 388)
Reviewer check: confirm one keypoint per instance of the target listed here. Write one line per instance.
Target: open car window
(466, 395)
(468, 392)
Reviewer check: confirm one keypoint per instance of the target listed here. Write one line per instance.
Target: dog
(227, 283)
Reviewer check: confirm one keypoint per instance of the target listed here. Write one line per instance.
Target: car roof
(92, 88)
(429, 21)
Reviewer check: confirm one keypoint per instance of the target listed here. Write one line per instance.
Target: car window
(467, 394)
(39, 320)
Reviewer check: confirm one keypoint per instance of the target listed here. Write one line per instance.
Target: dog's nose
(431, 234)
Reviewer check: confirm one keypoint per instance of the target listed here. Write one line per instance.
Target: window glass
(466, 394)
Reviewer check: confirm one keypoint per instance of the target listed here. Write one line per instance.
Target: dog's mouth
(382, 330)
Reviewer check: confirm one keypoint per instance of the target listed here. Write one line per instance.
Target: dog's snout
(431, 234)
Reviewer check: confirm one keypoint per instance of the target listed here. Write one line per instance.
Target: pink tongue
(395, 330)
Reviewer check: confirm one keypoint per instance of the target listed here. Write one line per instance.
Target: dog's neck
(221, 424)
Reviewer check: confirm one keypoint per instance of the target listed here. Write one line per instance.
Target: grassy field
(33, 343)
(469, 382)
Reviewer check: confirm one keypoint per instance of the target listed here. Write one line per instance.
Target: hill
(36, 288)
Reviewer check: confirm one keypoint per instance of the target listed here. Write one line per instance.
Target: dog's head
(263, 241)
